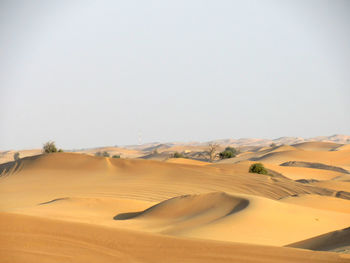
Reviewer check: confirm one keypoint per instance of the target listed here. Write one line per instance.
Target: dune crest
(338, 241)
(195, 210)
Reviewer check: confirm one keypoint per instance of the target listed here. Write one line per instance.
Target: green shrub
(49, 147)
(178, 155)
(16, 156)
(116, 156)
(229, 152)
(257, 168)
(103, 154)
(60, 151)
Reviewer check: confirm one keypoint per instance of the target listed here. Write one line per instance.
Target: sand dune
(219, 216)
(338, 241)
(345, 147)
(317, 146)
(334, 185)
(104, 205)
(146, 180)
(124, 153)
(187, 161)
(332, 158)
(320, 202)
(296, 173)
(315, 166)
(29, 239)
(282, 148)
(187, 212)
(7, 156)
(285, 153)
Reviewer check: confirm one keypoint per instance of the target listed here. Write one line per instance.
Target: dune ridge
(338, 241)
(315, 166)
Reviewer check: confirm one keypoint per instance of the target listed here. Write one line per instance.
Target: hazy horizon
(88, 74)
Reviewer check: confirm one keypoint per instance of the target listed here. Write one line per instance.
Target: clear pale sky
(94, 73)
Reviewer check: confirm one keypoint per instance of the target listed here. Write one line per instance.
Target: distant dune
(196, 150)
(317, 146)
(187, 161)
(315, 166)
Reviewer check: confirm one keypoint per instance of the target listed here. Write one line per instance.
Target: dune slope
(219, 216)
(29, 239)
(338, 241)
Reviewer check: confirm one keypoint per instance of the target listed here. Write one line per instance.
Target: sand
(75, 207)
(33, 239)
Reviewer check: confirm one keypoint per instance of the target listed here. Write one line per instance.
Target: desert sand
(76, 207)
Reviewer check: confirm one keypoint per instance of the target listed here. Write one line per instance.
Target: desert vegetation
(212, 151)
(16, 156)
(178, 155)
(257, 168)
(49, 147)
(103, 154)
(229, 152)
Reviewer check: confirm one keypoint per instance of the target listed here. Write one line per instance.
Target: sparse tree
(212, 149)
(116, 156)
(273, 145)
(16, 156)
(49, 147)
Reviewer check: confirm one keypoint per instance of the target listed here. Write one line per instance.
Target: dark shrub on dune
(103, 154)
(229, 152)
(178, 155)
(49, 147)
(257, 168)
(16, 156)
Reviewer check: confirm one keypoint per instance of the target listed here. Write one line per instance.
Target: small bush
(103, 154)
(60, 151)
(229, 152)
(116, 156)
(49, 147)
(257, 168)
(178, 155)
(16, 156)
(273, 145)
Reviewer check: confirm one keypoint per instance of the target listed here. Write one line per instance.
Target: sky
(99, 73)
